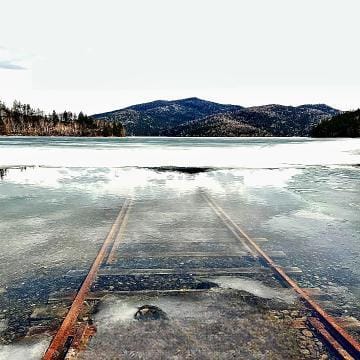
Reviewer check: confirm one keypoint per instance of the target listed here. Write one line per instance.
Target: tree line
(22, 119)
(346, 124)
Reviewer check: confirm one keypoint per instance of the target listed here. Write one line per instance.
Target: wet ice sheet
(185, 152)
(42, 223)
(54, 219)
(314, 219)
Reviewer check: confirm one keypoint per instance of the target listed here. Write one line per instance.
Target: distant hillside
(216, 125)
(21, 119)
(343, 125)
(158, 117)
(196, 117)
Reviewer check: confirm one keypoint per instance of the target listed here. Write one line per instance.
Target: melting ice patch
(21, 351)
(115, 181)
(268, 177)
(308, 214)
(113, 311)
(44, 177)
(303, 222)
(256, 288)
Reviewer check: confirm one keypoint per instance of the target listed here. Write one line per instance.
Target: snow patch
(21, 351)
(256, 288)
(113, 311)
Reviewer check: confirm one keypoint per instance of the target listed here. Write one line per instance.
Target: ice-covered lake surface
(59, 197)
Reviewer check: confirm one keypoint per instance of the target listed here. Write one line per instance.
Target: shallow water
(302, 195)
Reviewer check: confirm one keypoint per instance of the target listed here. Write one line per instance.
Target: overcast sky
(103, 55)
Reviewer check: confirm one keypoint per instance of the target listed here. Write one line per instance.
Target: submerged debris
(182, 169)
(3, 172)
(149, 312)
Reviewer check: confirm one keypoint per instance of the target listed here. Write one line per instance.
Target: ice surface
(155, 152)
(256, 288)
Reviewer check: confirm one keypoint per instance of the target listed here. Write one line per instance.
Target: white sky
(104, 55)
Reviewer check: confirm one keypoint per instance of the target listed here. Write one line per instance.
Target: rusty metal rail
(321, 330)
(351, 348)
(56, 347)
(112, 255)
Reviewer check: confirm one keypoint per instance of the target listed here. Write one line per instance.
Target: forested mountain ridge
(346, 124)
(158, 117)
(196, 117)
(21, 119)
(216, 125)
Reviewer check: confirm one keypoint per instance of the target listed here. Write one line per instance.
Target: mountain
(217, 125)
(267, 120)
(158, 117)
(21, 119)
(196, 117)
(346, 124)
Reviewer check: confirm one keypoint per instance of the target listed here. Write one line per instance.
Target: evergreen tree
(54, 116)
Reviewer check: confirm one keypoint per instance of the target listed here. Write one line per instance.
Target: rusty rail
(58, 342)
(350, 345)
(338, 349)
(112, 255)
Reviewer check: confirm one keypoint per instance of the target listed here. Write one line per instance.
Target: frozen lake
(59, 197)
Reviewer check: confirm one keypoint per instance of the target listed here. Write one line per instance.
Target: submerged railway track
(240, 256)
